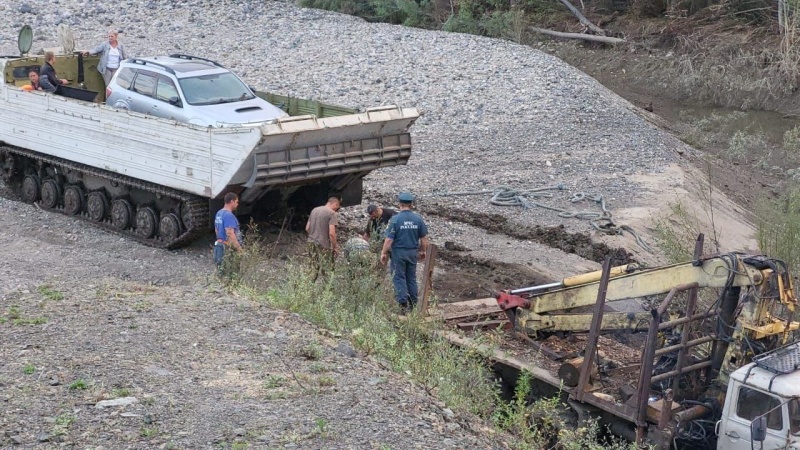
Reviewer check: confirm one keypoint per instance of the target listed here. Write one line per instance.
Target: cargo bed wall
(206, 161)
(304, 148)
(143, 147)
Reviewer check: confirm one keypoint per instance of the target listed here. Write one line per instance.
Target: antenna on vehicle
(65, 38)
(25, 40)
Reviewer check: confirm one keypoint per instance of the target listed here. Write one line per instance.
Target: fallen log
(584, 21)
(586, 37)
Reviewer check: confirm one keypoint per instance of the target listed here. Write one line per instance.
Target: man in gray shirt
(321, 229)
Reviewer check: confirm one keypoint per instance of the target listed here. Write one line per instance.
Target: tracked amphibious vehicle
(156, 180)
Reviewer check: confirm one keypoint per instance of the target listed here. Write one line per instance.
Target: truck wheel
(169, 228)
(121, 214)
(51, 193)
(97, 206)
(146, 224)
(73, 200)
(30, 189)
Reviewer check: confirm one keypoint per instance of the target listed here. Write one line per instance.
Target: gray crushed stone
(496, 113)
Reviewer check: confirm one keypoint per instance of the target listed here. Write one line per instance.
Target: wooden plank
(489, 301)
(536, 372)
(427, 277)
(470, 312)
(485, 324)
(503, 357)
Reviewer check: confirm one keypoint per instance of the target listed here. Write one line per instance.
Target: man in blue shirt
(226, 225)
(407, 238)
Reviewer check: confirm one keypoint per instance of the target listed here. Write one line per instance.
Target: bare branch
(586, 37)
(584, 21)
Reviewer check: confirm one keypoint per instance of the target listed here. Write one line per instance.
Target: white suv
(188, 89)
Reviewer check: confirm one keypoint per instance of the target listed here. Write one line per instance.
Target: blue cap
(405, 197)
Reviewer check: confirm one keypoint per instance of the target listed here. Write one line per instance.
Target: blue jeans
(404, 275)
(219, 253)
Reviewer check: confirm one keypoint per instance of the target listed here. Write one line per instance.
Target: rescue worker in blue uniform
(407, 238)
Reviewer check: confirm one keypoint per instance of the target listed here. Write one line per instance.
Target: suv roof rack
(153, 63)
(781, 361)
(190, 57)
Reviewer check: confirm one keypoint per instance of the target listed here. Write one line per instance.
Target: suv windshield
(213, 89)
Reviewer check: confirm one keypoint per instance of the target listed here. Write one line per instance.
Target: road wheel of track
(51, 193)
(146, 222)
(169, 228)
(73, 200)
(186, 216)
(121, 214)
(30, 189)
(97, 206)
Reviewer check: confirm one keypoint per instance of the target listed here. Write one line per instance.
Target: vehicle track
(194, 220)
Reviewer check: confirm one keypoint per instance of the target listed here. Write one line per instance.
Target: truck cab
(768, 387)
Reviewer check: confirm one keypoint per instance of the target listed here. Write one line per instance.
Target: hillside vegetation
(739, 53)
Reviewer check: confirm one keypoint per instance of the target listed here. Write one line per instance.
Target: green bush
(779, 228)
(743, 144)
(791, 141)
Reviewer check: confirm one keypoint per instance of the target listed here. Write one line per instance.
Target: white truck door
(744, 404)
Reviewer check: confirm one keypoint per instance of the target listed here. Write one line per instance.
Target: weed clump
(356, 301)
(778, 228)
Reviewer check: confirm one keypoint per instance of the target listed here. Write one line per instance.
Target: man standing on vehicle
(407, 237)
(226, 225)
(47, 74)
(321, 229)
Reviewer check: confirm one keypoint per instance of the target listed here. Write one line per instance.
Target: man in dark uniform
(378, 220)
(407, 237)
(47, 75)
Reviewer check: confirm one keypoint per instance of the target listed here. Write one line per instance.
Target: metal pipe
(666, 410)
(689, 344)
(662, 308)
(684, 340)
(725, 325)
(643, 388)
(682, 320)
(594, 331)
(623, 429)
(695, 412)
(541, 287)
(687, 369)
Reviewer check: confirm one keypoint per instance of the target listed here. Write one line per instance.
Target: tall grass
(779, 228)
(355, 299)
(789, 63)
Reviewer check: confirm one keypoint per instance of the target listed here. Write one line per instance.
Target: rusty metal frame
(594, 331)
(651, 351)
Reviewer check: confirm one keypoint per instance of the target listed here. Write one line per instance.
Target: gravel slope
(145, 320)
(85, 317)
(496, 113)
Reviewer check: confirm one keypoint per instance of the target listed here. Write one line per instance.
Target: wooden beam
(485, 324)
(427, 277)
(471, 312)
(585, 37)
(584, 21)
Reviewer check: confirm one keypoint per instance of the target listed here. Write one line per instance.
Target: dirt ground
(86, 317)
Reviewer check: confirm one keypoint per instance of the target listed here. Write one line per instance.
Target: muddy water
(703, 125)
